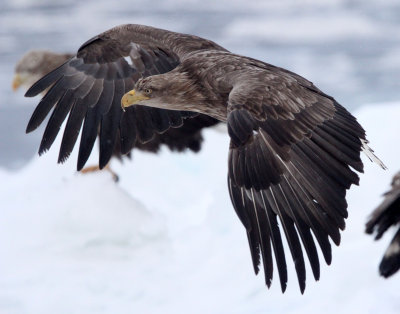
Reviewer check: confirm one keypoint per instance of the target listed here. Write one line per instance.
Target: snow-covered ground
(165, 239)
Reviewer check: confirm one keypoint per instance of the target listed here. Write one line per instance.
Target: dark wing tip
(103, 161)
(31, 92)
(81, 163)
(42, 150)
(62, 158)
(34, 90)
(30, 127)
(46, 80)
(389, 266)
(328, 256)
(283, 286)
(369, 228)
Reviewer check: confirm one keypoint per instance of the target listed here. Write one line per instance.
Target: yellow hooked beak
(132, 98)
(17, 82)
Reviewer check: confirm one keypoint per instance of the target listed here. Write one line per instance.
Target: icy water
(349, 49)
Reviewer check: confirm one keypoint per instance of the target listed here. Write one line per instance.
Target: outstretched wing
(386, 215)
(89, 87)
(291, 153)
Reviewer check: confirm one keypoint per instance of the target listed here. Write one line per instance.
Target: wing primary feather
(263, 233)
(57, 117)
(318, 212)
(45, 105)
(324, 143)
(254, 237)
(110, 124)
(313, 221)
(276, 241)
(71, 131)
(237, 198)
(46, 81)
(252, 166)
(293, 206)
(342, 135)
(106, 99)
(239, 204)
(278, 203)
(93, 98)
(128, 131)
(127, 127)
(322, 189)
(338, 171)
(89, 134)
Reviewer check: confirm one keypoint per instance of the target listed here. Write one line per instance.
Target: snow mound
(72, 243)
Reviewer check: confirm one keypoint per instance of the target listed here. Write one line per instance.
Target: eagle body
(293, 153)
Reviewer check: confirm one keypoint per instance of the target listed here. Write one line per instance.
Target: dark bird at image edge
(387, 215)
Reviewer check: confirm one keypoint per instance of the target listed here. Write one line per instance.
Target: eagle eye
(148, 91)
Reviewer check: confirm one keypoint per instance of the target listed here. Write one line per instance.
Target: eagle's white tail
(370, 154)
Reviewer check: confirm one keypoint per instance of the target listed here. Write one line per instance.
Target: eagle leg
(89, 169)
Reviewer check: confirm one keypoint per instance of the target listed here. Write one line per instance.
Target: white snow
(165, 239)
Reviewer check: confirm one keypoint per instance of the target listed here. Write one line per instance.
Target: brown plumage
(387, 215)
(293, 148)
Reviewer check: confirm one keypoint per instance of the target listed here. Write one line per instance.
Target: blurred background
(350, 49)
(63, 261)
